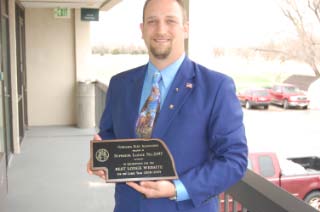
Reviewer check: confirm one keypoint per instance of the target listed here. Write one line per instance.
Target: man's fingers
(99, 173)
(153, 189)
(137, 187)
(97, 137)
(147, 192)
(89, 170)
(149, 184)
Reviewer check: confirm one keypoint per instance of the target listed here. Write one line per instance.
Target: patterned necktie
(149, 110)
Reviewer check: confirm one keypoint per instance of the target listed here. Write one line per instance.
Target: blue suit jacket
(203, 130)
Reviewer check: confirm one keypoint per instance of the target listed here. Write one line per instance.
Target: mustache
(161, 36)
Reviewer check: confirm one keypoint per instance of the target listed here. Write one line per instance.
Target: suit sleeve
(227, 163)
(106, 124)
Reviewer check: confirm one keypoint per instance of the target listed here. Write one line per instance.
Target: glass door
(2, 139)
(5, 68)
(21, 71)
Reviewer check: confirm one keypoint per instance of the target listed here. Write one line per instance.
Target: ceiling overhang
(99, 4)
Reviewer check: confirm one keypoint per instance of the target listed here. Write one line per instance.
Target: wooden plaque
(133, 160)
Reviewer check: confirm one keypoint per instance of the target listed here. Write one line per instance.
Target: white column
(83, 49)
(14, 82)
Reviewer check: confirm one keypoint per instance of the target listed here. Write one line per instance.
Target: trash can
(85, 104)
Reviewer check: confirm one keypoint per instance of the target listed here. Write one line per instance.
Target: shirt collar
(167, 73)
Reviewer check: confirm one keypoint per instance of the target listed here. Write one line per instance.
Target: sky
(235, 23)
(120, 25)
(213, 24)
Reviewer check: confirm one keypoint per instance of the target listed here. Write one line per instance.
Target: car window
(291, 89)
(266, 166)
(261, 93)
(249, 164)
(277, 88)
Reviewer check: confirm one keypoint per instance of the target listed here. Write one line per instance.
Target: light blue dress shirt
(167, 75)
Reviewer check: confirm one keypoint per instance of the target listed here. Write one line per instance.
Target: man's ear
(186, 29)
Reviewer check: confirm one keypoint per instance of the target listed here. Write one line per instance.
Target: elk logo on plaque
(102, 155)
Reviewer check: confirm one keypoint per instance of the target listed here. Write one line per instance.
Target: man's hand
(99, 173)
(155, 189)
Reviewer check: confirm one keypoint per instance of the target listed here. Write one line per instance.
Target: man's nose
(162, 27)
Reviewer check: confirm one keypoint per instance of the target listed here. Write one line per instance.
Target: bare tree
(302, 15)
(315, 7)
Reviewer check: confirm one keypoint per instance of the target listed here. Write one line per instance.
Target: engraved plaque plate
(133, 160)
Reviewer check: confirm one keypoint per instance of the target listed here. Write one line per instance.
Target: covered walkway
(49, 174)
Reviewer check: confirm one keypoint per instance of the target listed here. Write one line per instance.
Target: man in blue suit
(200, 120)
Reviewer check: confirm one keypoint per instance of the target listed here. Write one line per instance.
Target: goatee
(159, 53)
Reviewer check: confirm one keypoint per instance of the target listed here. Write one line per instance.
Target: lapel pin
(171, 106)
(177, 89)
(189, 85)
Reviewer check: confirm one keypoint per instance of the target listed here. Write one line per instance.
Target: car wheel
(266, 107)
(313, 199)
(248, 105)
(305, 107)
(285, 104)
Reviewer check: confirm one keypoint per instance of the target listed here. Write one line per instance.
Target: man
(200, 120)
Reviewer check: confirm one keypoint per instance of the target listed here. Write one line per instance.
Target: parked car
(299, 176)
(254, 97)
(287, 95)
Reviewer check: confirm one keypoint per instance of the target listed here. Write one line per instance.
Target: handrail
(100, 99)
(258, 194)
(103, 87)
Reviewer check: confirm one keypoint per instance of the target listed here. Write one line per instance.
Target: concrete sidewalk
(49, 174)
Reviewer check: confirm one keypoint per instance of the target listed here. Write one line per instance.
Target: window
(266, 166)
(249, 164)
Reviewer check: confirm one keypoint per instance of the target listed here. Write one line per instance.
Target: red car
(287, 95)
(255, 97)
(299, 176)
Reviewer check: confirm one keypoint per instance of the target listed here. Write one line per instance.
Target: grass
(256, 80)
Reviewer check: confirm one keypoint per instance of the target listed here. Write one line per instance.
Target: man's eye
(151, 21)
(171, 21)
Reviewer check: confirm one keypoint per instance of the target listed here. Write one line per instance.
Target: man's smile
(161, 40)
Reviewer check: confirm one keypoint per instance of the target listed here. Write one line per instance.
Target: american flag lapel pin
(189, 85)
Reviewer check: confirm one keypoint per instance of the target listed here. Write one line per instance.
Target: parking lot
(292, 132)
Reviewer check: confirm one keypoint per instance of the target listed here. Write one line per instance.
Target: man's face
(164, 30)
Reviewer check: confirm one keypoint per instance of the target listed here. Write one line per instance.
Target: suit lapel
(179, 92)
